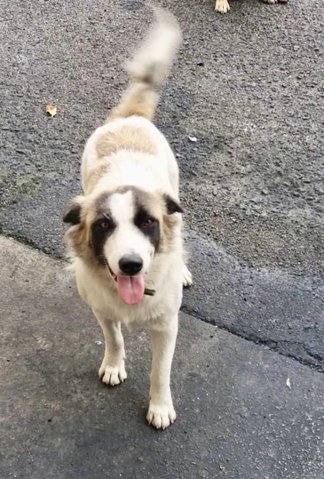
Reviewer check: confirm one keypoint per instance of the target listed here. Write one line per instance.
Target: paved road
(237, 417)
(247, 85)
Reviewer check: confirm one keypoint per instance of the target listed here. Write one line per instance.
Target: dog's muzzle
(130, 267)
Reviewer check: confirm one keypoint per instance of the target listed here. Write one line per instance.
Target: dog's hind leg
(161, 412)
(271, 2)
(112, 369)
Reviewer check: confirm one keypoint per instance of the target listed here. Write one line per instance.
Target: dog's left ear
(172, 205)
(73, 212)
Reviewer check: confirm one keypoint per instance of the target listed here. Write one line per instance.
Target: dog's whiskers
(104, 262)
(107, 269)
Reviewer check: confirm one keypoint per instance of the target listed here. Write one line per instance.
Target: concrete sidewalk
(237, 420)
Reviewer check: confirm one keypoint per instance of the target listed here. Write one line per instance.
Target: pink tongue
(130, 288)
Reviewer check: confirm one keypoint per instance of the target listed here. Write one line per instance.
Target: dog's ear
(172, 205)
(73, 212)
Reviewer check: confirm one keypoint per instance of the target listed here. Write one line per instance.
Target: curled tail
(149, 68)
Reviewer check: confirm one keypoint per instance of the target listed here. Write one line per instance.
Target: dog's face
(122, 231)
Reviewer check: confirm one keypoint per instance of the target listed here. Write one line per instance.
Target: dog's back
(128, 126)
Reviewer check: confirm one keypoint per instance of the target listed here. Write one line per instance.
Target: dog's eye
(104, 225)
(148, 221)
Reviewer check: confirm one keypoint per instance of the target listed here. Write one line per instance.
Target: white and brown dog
(125, 234)
(222, 6)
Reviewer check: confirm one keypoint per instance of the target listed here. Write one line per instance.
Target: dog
(222, 6)
(125, 231)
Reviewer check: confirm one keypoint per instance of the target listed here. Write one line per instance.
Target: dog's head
(122, 231)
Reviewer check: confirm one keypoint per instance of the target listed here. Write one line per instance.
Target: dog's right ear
(172, 205)
(73, 212)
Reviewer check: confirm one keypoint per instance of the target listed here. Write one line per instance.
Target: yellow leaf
(51, 109)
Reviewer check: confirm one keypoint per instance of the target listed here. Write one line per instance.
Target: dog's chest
(106, 301)
(146, 311)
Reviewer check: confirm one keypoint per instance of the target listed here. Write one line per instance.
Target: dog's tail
(150, 67)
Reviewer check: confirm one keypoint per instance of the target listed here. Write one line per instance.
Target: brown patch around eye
(149, 225)
(104, 225)
(101, 229)
(148, 222)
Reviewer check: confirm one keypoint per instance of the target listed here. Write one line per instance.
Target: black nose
(131, 264)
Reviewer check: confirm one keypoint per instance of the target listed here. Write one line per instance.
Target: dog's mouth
(131, 289)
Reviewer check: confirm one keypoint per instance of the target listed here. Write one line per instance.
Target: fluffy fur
(222, 6)
(130, 209)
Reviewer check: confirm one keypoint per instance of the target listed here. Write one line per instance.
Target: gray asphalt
(238, 417)
(249, 86)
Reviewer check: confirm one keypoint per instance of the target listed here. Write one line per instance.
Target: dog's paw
(187, 277)
(222, 6)
(112, 375)
(161, 416)
(271, 2)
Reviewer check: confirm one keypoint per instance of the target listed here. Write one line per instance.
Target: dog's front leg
(222, 6)
(161, 412)
(112, 369)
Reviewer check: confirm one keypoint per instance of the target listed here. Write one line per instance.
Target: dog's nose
(131, 264)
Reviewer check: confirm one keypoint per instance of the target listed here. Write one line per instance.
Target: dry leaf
(51, 109)
(288, 383)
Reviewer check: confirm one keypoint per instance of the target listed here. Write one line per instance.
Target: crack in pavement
(273, 345)
(281, 311)
(273, 309)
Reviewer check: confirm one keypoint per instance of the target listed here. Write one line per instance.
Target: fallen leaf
(51, 109)
(288, 383)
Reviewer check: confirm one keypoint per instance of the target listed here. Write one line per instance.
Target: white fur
(139, 169)
(165, 272)
(157, 51)
(159, 313)
(127, 239)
